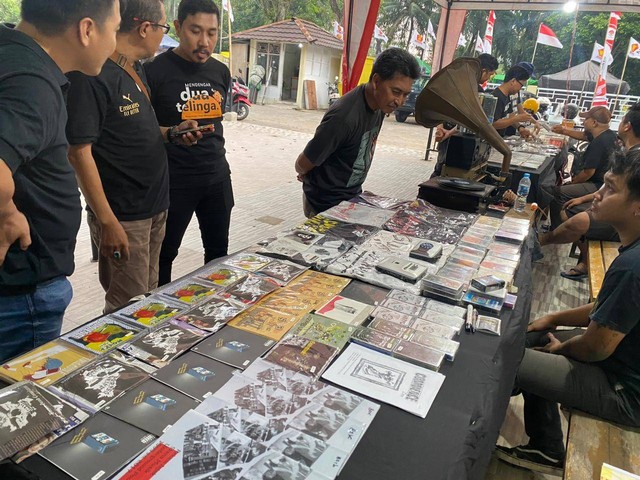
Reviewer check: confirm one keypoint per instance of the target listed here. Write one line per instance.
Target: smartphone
(203, 129)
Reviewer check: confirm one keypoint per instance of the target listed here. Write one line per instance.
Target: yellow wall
(364, 77)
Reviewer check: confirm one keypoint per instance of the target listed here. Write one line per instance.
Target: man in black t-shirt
(596, 370)
(335, 163)
(39, 200)
(509, 115)
(595, 161)
(186, 83)
(118, 154)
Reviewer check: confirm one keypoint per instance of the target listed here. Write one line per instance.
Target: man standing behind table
(186, 83)
(509, 115)
(118, 153)
(39, 201)
(335, 163)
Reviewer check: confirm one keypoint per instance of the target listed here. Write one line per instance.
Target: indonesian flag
(634, 48)
(479, 44)
(419, 40)
(600, 95)
(488, 34)
(547, 37)
(226, 6)
(338, 31)
(379, 34)
(430, 30)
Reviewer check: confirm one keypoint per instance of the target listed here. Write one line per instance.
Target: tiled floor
(261, 151)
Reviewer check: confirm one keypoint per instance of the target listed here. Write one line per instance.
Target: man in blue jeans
(595, 369)
(39, 199)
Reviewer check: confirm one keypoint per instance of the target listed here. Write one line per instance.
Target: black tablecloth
(455, 440)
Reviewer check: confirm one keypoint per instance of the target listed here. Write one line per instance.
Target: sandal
(574, 274)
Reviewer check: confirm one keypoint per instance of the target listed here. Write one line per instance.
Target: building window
(269, 58)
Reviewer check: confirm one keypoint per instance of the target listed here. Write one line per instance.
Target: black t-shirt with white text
(505, 106)
(183, 90)
(111, 113)
(342, 151)
(34, 147)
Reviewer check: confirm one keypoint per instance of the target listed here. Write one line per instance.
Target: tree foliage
(9, 11)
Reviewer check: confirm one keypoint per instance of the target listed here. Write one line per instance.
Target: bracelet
(170, 135)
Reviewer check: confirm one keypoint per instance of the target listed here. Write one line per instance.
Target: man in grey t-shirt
(335, 163)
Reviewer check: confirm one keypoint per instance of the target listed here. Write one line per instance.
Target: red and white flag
(226, 6)
(379, 34)
(634, 48)
(479, 44)
(338, 31)
(600, 95)
(547, 37)
(488, 34)
(419, 40)
(430, 30)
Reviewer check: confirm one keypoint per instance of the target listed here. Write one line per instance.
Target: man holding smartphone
(186, 83)
(118, 154)
(39, 202)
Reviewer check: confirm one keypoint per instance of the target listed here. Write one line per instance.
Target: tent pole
(221, 29)
(534, 51)
(626, 57)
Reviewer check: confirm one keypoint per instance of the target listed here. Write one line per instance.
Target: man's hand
(574, 202)
(552, 347)
(300, 177)
(542, 324)
(523, 118)
(525, 133)
(558, 129)
(114, 239)
(439, 133)
(13, 227)
(187, 139)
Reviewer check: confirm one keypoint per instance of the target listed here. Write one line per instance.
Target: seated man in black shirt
(596, 370)
(336, 161)
(117, 150)
(39, 199)
(595, 162)
(509, 115)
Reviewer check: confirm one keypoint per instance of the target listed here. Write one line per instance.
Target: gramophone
(452, 96)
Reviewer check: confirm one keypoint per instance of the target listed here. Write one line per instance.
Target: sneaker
(532, 459)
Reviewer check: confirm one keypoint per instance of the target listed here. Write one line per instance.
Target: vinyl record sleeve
(235, 347)
(102, 335)
(212, 314)
(324, 330)
(152, 310)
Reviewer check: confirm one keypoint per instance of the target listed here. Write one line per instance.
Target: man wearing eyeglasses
(117, 151)
(509, 116)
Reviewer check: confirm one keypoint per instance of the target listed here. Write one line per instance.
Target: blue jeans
(28, 321)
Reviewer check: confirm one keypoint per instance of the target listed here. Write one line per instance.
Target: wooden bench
(592, 442)
(601, 254)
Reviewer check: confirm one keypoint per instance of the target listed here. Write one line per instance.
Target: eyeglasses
(165, 27)
(522, 84)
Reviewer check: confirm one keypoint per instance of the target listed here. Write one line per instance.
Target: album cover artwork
(264, 321)
(97, 448)
(213, 314)
(302, 355)
(195, 375)
(365, 292)
(323, 252)
(234, 347)
(274, 464)
(221, 275)
(100, 382)
(151, 311)
(188, 291)
(251, 289)
(324, 330)
(419, 354)
(374, 339)
(360, 214)
(407, 297)
(353, 233)
(164, 343)
(290, 303)
(402, 307)
(102, 335)
(384, 313)
(46, 363)
(151, 406)
(277, 376)
(391, 328)
(26, 416)
(391, 243)
(249, 262)
(281, 271)
(319, 224)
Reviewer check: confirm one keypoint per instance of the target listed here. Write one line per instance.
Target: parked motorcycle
(332, 90)
(240, 98)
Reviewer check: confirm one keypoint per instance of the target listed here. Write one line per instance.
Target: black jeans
(212, 205)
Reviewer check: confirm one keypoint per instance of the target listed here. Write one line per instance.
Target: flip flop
(574, 274)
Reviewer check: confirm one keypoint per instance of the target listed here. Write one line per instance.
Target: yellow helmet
(531, 104)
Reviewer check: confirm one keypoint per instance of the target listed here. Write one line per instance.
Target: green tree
(401, 18)
(10, 11)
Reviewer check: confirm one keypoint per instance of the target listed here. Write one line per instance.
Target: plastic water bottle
(523, 191)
